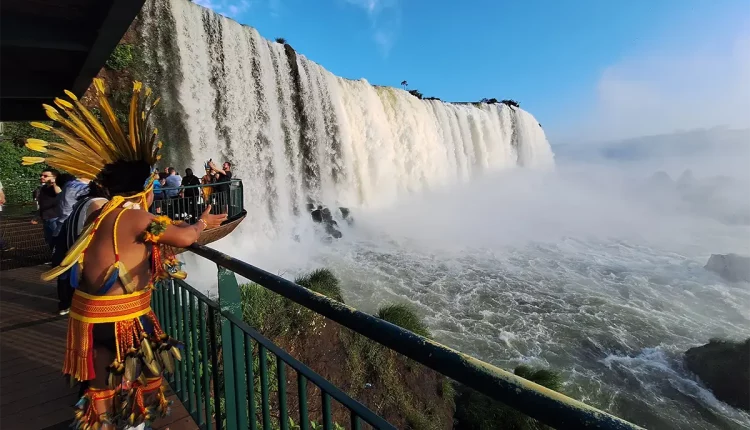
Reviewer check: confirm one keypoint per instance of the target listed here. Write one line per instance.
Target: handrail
(212, 184)
(534, 400)
(358, 408)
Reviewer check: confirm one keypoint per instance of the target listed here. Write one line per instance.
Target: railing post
(229, 300)
(233, 352)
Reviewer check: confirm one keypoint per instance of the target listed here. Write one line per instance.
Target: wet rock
(723, 367)
(317, 214)
(346, 214)
(732, 267)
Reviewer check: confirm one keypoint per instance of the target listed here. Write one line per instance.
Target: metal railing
(228, 368)
(187, 203)
(223, 354)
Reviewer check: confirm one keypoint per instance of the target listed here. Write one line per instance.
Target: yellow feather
(120, 143)
(48, 108)
(132, 118)
(64, 104)
(28, 161)
(38, 147)
(95, 163)
(99, 85)
(41, 126)
(81, 147)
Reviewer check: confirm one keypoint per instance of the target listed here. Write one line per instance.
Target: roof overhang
(47, 46)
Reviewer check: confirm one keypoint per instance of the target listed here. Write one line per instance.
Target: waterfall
(296, 133)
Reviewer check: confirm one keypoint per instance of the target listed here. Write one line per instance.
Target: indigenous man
(115, 343)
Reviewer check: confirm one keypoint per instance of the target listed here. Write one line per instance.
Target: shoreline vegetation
(405, 393)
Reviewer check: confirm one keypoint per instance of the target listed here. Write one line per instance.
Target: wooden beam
(28, 32)
(29, 89)
(22, 109)
(116, 22)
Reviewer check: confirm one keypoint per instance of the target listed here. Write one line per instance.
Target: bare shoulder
(139, 219)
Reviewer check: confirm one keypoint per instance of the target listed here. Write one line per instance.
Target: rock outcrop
(732, 267)
(723, 367)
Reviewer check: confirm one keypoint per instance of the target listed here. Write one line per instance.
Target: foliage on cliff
(123, 57)
(18, 181)
(404, 392)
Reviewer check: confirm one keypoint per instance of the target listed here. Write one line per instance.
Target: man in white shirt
(3, 245)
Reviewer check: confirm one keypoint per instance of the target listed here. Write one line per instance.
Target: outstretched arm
(177, 235)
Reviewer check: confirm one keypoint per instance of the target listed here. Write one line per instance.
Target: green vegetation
(416, 94)
(123, 57)
(404, 316)
(281, 40)
(274, 315)
(19, 181)
(476, 411)
(401, 383)
(511, 103)
(404, 84)
(322, 281)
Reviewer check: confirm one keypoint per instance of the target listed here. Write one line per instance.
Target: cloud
(385, 21)
(669, 89)
(229, 8)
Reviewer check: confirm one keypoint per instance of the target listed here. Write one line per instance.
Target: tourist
(115, 265)
(172, 183)
(3, 245)
(191, 194)
(71, 189)
(47, 199)
(70, 229)
(207, 179)
(223, 178)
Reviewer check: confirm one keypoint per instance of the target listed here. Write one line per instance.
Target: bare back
(134, 254)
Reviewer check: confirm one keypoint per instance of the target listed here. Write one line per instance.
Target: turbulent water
(458, 211)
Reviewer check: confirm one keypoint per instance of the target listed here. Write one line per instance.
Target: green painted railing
(227, 368)
(224, 378)
(189, 202)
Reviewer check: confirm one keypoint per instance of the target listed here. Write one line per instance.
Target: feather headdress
(88, 144)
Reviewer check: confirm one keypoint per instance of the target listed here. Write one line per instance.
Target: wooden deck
(33, 393)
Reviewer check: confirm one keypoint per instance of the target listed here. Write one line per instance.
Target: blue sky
(587, 69)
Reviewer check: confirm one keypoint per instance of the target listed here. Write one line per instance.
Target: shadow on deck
(33, 393)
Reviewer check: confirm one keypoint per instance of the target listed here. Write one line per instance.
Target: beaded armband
(156, 229)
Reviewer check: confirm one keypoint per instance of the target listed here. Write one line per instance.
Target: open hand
(212, 221)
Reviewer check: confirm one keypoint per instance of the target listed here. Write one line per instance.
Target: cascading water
(573, 273)
(296, 132)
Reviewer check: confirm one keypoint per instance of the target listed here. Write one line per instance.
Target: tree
(404, 84)
(416, 94)
(511, 103)
(281, 40)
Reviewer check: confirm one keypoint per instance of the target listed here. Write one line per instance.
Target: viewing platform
(33, 393)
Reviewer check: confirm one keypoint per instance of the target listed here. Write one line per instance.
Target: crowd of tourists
(59, 193)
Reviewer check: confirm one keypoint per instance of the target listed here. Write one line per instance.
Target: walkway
(33, 393)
